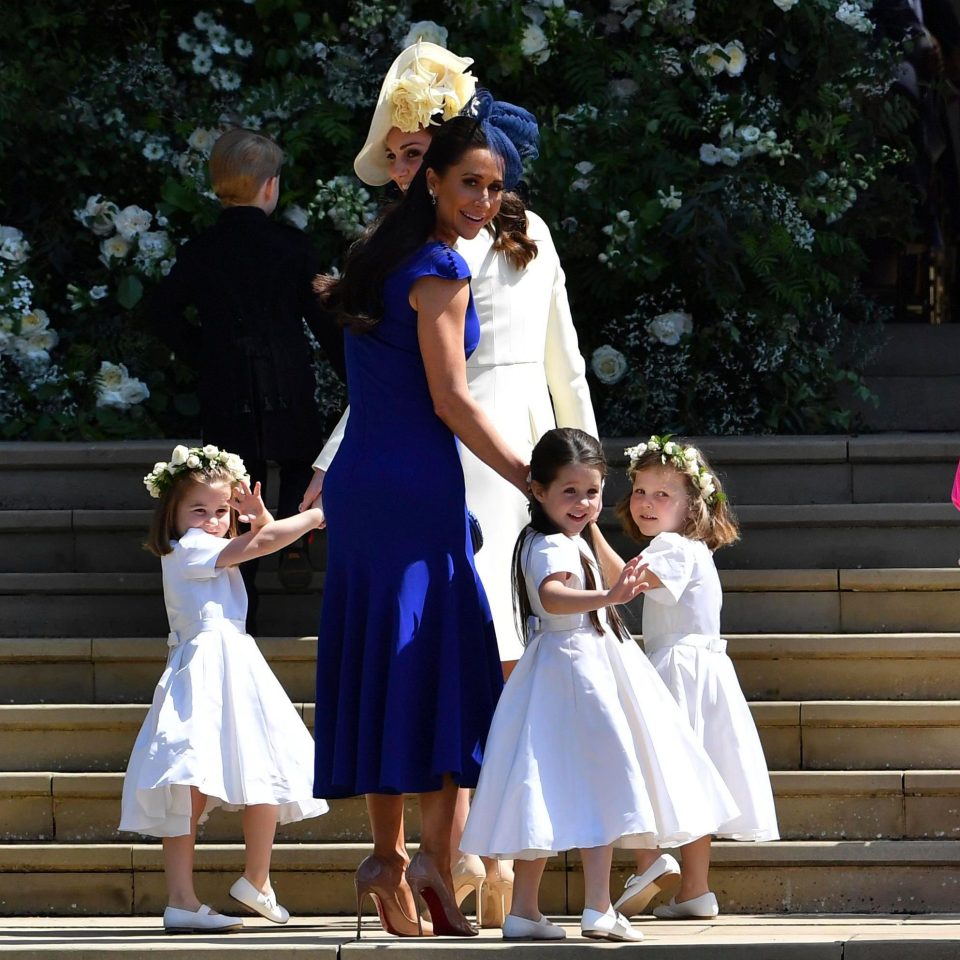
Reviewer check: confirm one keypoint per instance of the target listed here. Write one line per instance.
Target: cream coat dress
(528, 376)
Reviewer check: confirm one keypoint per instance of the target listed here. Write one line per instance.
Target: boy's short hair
(241, 162)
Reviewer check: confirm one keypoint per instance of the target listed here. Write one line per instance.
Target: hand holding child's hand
(630, 583)
(249, 505)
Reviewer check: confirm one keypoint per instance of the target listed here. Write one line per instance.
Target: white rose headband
(184, 460)
(686, 459)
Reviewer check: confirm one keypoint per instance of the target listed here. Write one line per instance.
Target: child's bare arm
(611, 563)
(272, 536)
(560, 599)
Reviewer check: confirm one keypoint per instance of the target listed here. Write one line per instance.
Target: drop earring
(433, 198)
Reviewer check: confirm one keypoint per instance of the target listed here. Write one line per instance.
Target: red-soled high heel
(382, 880)
(426, 883)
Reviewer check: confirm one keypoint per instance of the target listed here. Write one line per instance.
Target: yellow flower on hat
(426, 89)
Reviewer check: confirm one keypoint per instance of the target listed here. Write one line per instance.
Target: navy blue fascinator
(511, 131)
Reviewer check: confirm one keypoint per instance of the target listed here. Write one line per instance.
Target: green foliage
(711, 202)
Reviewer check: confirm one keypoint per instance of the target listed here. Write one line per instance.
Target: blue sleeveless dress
(408, 672)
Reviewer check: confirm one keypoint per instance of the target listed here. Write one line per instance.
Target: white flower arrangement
(425, 30)
(608, 364)
(534, 44)
(687, 459)
(184, 459)
(117, 389)
(12, 245)
(669, 327)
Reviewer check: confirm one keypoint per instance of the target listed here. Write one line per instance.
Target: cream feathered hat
(425, 85)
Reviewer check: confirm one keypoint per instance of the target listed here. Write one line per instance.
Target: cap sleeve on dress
(197, 553)
(670, 557)
(444, 262)
(546, 555)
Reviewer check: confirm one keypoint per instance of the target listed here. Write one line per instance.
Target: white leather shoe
(607, 926)
(703, 907)
(520, 928)
(176, 920)
(265, 904)
(663, 875)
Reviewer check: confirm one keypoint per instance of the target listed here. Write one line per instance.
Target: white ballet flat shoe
(703, 907)
(243, 891)
(607, 926)
(663, 875)
(520, 928)
(176, 920)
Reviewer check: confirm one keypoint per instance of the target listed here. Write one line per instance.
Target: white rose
(669, 327)
(729, 157)
(234, 464)
(534, 44)
(33, 322)
(786, 5)
(202, 140)
(583, 167)
(158, 468)
(609, 365)
(179, 455)
(193, 461)
(132, 221)
(670, 448)
(114, 248)
(152, 245)
(97, 215)
(749, 134)
(133, 391)
(12, 245)
(211, 452)
(111, 375)
(736, 60)
(706, 60)
(709, 154)
(425, 30)
(691, 453)
(297, 216)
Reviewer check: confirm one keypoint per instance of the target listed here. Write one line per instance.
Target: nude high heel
(469, 875)
(428, 885)
(382, 880)
(497, 894)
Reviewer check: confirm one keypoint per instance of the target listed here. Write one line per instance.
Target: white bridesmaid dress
(681, 635)
(220, 720)
(587, 747)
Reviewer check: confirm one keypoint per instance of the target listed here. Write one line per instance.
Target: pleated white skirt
(221, 722)
(704, 684)
(588, 748)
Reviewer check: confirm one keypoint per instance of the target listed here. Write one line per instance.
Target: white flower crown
(183, 459)
(686, 459)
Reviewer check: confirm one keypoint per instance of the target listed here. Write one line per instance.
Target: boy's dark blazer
(250, 279)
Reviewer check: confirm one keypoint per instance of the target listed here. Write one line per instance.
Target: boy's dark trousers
(294, 477)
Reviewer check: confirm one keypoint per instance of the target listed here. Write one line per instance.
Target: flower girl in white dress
(221, 730)
(677, 500)
(587, 748)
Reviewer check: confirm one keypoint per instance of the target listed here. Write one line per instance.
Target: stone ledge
(753, 449)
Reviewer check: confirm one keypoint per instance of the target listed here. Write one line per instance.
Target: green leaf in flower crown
(129, 291)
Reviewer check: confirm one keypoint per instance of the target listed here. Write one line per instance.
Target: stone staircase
(841, 606)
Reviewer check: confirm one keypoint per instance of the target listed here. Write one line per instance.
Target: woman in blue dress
(408, 673)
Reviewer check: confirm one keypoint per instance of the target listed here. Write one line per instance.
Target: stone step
(783, 936)
(901, 666)
(850, 876)
(808, 735)
(820, 535)
(811, 805)
(890, 600)
(884, 468)
(906, 467)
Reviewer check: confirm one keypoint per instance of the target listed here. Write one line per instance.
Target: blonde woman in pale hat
(527, 373)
